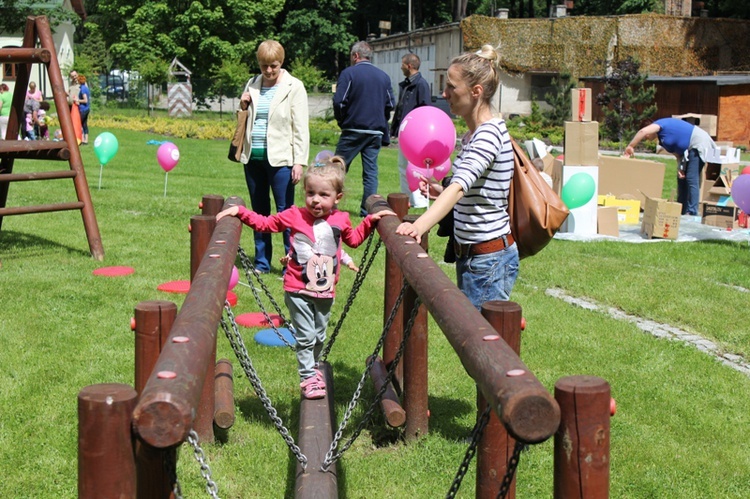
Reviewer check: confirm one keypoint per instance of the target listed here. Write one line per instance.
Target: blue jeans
(688, 188)
(368, 145)
(488, 277)
(261, 178)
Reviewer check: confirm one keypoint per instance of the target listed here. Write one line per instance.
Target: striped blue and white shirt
(260, 125)
(484, 170)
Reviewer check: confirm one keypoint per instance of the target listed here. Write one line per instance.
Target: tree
(626, 101)
(14, 12)
(229, 79)
(559, 100)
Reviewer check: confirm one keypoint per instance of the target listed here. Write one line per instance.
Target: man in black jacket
(414, 92)
(362, 106)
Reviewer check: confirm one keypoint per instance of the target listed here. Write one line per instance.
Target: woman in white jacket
(277, 141)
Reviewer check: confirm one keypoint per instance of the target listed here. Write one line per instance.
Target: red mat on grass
(184, 287)
(113, 271)
(257, 319)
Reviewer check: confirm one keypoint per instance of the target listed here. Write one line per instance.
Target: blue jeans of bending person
(488, 277)
(262, 179)
(310, 318)
(688, 188)
(368, 146)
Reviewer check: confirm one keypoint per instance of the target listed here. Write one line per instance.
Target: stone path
(659, 330)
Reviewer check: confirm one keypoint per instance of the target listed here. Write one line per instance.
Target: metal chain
(238, 345)
(332, 455)
(358, 280)
(512, 465)
(476, 436)
(211, 488)
(249, 269)
(170, 467)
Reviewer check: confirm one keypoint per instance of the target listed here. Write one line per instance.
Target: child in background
(42, 130)
(540, 167)
(317, 231)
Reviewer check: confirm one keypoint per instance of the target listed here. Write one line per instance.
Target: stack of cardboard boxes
(581, 156)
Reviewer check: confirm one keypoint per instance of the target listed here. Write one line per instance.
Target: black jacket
(413, 92)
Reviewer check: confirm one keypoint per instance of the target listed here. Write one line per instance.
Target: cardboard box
(723, 155)
(556, 172)
(628, 210)
(628, 178)
(712, 172)
(582, 220)
(580, 104)
(581, 143)
(606, 221)
(726, 217)
(661, 218)
(706, 122)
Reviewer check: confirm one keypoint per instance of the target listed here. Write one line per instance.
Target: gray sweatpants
(310, 319)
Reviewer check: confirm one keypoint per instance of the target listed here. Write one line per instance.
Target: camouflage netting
(665, 45)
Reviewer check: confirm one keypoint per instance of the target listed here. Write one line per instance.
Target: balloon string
(166, 176)
(100, 176)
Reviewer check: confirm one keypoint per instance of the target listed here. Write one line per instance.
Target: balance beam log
(525, 407)
(316, 420)
(224, 394)
(394, 414)
(169, 401)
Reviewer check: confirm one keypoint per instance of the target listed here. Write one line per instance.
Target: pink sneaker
(311, 388)
(321, 379)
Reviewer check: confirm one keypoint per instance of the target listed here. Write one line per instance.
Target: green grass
(681, 425)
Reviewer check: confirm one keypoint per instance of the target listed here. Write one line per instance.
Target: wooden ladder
(64, 150)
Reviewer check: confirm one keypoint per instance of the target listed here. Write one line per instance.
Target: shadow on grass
(13, 241)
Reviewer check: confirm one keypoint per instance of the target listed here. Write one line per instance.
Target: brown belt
(467, 250)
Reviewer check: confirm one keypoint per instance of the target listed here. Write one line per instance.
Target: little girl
(313, 270)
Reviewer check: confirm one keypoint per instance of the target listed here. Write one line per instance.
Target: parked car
(112, 85)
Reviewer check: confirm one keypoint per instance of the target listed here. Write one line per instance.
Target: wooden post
(106, 461)
(316, 427)
(224, 385)
(582, 441)
(391, 406)
(415, 361)
(152, 323)
(211, 204)
(393, 280)
(496, 446)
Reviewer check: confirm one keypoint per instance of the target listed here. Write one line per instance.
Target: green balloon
(105, 147)
(578, 190)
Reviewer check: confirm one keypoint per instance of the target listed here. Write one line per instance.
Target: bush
(309, 75)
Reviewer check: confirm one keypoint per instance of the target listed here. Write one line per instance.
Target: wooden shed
(725, 96)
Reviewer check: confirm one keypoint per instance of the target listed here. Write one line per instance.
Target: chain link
(476, 436)
(332, 455)
(211, 488)
(250, 272)
(358, 280)
(238, 345)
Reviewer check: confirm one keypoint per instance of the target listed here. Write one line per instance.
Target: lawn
(682, 419)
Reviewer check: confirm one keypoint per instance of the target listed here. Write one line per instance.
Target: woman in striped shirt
(486, 255)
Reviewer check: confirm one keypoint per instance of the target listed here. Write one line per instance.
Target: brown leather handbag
(235, 147)
(536, 212)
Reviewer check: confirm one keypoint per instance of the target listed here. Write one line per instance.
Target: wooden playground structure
(38, 30)
(128, 436)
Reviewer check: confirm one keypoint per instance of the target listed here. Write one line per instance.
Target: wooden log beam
(316, 429)
(169, 402)
(224, 394)
(41, 208)
(394, 414)
(525, 407)
(24, 55)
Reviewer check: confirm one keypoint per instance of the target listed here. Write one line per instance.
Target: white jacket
(288, 134)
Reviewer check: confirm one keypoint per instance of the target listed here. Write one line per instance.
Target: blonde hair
(270, 51)
(480, 68)
(332, 171)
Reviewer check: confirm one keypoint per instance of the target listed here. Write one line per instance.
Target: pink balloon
(745, 170)
(439, 172)
(414, 175)
(234, 278)
(168, 155)
(427, 136)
